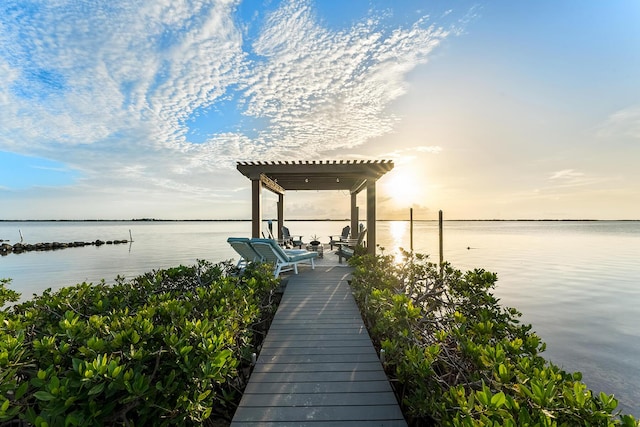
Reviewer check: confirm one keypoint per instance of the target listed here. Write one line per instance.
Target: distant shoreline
(316, 220)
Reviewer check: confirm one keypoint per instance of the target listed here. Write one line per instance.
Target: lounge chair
(282, 259)
(243, 247)
(290, 240)
(342, 238)
(347, 248)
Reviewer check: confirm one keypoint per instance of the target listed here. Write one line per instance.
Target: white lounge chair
(282, 259)
(248, 254)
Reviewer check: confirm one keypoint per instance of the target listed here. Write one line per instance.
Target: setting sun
(404, 188)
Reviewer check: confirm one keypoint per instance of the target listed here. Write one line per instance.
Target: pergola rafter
(352, 176)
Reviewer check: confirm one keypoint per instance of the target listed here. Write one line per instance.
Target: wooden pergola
(278, 177)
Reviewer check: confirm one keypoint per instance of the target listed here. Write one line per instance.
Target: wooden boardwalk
(317, 366)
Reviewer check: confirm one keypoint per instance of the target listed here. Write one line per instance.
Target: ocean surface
(576, 282)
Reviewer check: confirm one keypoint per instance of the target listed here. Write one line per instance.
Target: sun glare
(403, 188)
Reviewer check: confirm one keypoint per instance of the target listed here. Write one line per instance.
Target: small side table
(316, 248)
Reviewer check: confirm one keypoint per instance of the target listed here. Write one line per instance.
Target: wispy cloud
(433, 149)
(98, 84)
(566, 175)
(572, 178)
(621, 124)
(325, 90)
(407, 155)
(51, 169)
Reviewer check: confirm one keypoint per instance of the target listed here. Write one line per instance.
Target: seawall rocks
(6, 248)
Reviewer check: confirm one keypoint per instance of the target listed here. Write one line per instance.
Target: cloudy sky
(119, 109)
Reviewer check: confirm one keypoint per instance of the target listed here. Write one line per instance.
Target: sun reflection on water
(398, 231)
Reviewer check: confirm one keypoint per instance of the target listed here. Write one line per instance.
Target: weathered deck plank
(342, 423)
(317, 365)
(282, 412)
(319, 387)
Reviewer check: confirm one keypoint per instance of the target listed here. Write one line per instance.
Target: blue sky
(501, 109)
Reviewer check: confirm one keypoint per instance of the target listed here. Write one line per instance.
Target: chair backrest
(243, 247)
(285, 233)
(345, 232)
(269, 250)
(361, 235)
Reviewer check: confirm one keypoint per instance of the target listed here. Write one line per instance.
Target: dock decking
(317, 366)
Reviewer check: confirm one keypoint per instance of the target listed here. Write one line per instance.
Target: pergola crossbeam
(270, 184)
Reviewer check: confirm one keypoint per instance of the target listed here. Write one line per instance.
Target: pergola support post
(354, 216)
(280, 215)
(371, 217)
(256, 207)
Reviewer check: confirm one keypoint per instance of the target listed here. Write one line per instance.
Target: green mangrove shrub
(166, 348)
(458, 358)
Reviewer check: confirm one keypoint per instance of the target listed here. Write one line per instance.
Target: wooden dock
(317, 366)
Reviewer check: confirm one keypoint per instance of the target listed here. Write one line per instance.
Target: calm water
(577, 283)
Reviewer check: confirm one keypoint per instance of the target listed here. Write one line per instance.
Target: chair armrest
(347, 242)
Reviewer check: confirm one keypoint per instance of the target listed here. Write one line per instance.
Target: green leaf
(76, 363)
(116, 371)
(72, 420)
(43, 395)
(578, 391)
(202, 396)
(96, 389)
(498, 400)
(503, 373)
(21, 390)
(484, 396)
(628, 421)
(538, 392)
(54, 382)
(207, 413)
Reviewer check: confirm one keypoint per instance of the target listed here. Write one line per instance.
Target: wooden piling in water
(411, 228)
(440, 241)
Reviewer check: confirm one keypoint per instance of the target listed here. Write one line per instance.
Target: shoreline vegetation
(457, 358)
(175, 346)
(170, 347)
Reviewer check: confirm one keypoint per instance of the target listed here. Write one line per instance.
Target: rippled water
(577, 283)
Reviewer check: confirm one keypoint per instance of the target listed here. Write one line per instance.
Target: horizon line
(317, 220)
